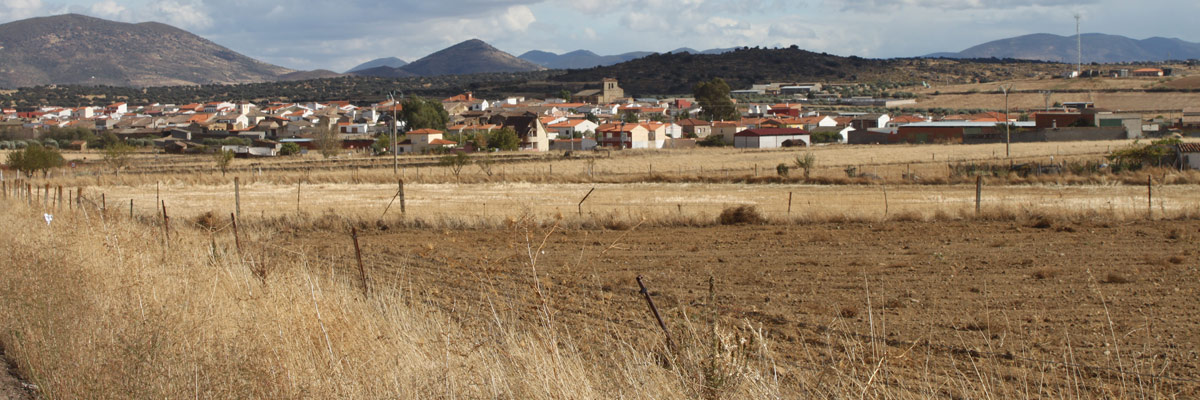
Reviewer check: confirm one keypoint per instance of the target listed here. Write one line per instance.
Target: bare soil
(10, 387)
(1106, 308)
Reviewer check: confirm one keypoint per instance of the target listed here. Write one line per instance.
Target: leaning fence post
(585, 197)
(166, 223)
(646, 293)
(236, 238)
(362, 272)
(403, 211)
(978, 192)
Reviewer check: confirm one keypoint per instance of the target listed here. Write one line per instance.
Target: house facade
(771, 138)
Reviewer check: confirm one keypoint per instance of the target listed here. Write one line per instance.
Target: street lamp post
(395, 146)
(1007, 124)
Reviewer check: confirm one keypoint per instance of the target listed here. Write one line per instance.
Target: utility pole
(395, 146)
(1078, 50)
(1007, 123)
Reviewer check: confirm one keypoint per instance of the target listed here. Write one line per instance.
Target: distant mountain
(470, 57)
(77, 49)
(392, 62)
(308, 75)
(676, 73)
(1097, 47)
(580, 59)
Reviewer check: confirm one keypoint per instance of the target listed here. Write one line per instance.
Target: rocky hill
(1099, 48)
(470, 57)
(77, 49)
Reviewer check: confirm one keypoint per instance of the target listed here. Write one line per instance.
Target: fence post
(237, 239)
(789, 203)
(60, 198)
(978, 192)
(166, 224)
(79, 198)
(362, 272)
(131, 209)
(646, 293)
(103, 204)
(237, 196)
(1149, 196)
(585, 197)
(403, 211)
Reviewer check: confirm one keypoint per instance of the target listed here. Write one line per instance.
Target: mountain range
(1097, 47)
(470, 57)
(77, 49)
(580, 59)
(391, 62)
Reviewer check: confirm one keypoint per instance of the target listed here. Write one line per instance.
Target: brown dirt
(932, 298)
(10, 387)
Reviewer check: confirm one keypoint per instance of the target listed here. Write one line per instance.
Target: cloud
(20, 9)
(883, 6)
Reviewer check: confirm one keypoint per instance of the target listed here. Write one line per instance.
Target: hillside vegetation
(77, 49)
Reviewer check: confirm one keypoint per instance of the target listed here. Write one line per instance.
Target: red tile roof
(772, 132)
(425, 132)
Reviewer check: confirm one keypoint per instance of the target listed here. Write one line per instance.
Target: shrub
(743, 214)
(712, 141)
(35, 158)
(781, 169)
(288, 149)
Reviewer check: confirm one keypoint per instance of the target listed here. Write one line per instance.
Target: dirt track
(1023, 296)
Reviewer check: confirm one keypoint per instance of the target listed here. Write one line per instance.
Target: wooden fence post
(236, 238)
(131, 209)
(166, 224)
(362, 272)
(978, 193)
(403, 210)
(103, 204)
(789, 203)
(79, 198)
(237, 196)
(585, 197)
(646, 293)
(1149, 196)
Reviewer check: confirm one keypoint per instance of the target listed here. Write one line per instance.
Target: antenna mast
(1079, 49)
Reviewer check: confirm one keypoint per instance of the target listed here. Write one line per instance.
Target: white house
(568, 128)
(1189, 154)
(426, 139)
(770, 138)
(350, 128)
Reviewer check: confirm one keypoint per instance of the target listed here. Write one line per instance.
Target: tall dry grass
(103, 307)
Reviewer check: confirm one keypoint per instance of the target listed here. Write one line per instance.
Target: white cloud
(108, 9)
(20, 9)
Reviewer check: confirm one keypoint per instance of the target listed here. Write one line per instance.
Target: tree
(714, 101)
(806, 162)
(565, 94)
(504, 139)
(455, 162)
(419, 113)
(223, 158)
(485, 164)
(629, 117)
(289, 149)
(327, 141)
(117, 156)
(35, 158)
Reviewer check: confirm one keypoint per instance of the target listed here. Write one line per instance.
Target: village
(586, 120)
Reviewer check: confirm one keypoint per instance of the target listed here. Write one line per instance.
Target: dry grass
(100, 308)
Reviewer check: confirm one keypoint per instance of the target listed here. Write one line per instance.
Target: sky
(339, 34)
